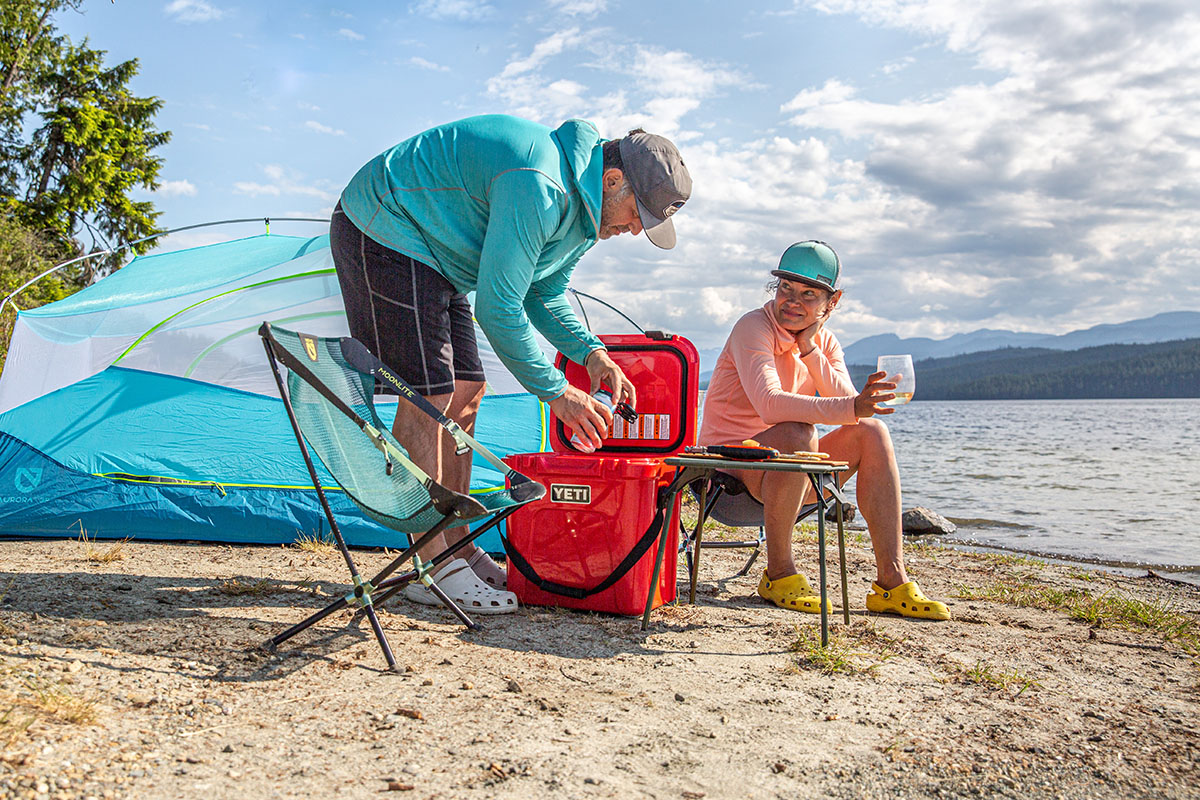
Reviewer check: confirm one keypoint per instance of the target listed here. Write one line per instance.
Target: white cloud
(580, 8)
(459, 10)
(834, 91)
(423, 63)
(1064, 162)
(349, 35)
(313, 125)
(660, 87)
(193, 11)
(899, 65)
(285, 182)
(176, 189)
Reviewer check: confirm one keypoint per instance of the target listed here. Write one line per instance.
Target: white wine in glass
(899, 370)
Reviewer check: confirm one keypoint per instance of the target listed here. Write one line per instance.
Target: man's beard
(608, 207)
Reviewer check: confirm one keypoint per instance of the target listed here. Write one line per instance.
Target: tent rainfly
(142, 406)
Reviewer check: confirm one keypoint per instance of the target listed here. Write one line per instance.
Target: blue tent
(143, 405)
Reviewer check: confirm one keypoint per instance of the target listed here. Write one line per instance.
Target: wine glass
(899, 370)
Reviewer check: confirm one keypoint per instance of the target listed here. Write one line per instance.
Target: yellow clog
(792, 592)
(905, 600)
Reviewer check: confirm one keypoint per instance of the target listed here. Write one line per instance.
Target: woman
(780, 374)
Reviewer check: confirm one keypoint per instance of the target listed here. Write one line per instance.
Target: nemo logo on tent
(26, 479)
(569, 493)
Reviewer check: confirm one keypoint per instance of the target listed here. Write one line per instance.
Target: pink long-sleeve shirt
(761, 380)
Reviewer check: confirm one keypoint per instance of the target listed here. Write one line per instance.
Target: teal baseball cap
(811, 262)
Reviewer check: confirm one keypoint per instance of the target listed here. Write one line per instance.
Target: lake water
(1109, 482)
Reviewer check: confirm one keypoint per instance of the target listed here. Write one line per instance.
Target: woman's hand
(585, 417)
(605, 372)
(807, 338)
(877, 391)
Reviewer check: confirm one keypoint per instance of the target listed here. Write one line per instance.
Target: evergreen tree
(27, 47)
(77, 143)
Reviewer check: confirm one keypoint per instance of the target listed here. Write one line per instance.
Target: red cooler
(592, 541)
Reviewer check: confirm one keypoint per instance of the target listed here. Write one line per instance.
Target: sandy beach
(139, 676)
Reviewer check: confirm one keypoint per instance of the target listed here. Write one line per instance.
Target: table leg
(839, 508)
(816, 482)
(658, 560)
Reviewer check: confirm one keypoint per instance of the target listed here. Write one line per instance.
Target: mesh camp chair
(727, 501)
(328, 394)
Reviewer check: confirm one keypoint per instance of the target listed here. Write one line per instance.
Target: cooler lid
(665, 371)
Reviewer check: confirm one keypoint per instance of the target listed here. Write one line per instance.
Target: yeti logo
(27, 479)
(568, 493)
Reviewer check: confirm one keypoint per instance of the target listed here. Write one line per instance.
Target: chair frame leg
(390, 586)
(691, 541)
(362, 594)
(762, 539)
(697, 537)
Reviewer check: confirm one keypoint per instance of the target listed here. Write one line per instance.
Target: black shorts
(405, 312)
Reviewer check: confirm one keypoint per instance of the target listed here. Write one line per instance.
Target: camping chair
(741, 510)
(328, 395)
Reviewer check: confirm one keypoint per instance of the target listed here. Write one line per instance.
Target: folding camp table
(822, 474)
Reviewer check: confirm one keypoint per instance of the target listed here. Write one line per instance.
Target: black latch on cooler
(659, 336)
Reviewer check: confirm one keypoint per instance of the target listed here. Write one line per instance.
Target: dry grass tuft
(235, 587)
(56, 703)
(101, 555)
(318, 544)
(28, 700)
(15, 721)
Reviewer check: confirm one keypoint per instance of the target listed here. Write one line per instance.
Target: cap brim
(791, 276)
(660, 232)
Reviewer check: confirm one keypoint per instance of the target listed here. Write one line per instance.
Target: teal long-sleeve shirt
(500, 206)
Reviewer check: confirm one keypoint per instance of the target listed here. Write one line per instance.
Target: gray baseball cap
(660, 182)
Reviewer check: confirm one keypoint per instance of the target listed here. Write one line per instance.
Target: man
(782, 372)
(503, 207)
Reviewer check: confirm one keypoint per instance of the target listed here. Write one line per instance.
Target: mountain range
(1158, 369)
(1164, 327)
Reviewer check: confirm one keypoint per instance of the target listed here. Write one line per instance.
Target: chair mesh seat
(399, 501)
(329, 394)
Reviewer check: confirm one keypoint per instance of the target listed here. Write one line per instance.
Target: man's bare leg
(421, 437)
(456, 470)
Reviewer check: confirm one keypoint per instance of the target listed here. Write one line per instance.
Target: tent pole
(4, 303)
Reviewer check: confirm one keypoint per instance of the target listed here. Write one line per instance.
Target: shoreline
(1184, 575)
(139, 677)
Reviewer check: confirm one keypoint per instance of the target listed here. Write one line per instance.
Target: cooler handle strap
(635, 554)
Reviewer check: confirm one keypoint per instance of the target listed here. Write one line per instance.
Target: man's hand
(604, 371)
(875, 392)
(584, 416)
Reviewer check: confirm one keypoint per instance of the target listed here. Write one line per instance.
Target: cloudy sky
(994, 163)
